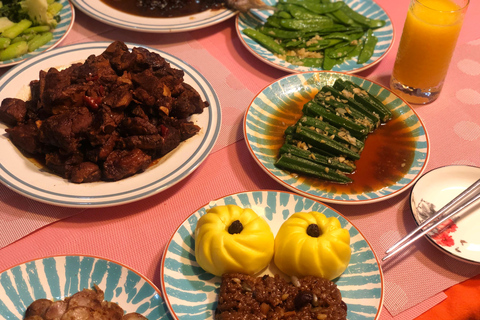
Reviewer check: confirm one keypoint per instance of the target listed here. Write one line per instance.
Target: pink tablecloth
(135, 234)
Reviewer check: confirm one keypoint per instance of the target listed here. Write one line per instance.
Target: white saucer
(460, 237)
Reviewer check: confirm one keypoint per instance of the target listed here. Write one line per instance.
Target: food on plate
(180, 8)
(233, 239)
(311, 244)
(105, 119)
(318, 34)
(85, 304)
(26, 25)
(330, 136)
(272, 297)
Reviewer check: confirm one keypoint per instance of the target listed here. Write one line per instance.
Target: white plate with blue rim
(102, 12)
(458, 236)
(67, 17)
(369, 8)
(58, 277)
(394, 157)
(27, 178)
(191, 292)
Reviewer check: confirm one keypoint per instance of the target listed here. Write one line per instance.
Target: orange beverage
(426, 48)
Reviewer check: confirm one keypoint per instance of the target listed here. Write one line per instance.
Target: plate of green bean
(299, 36)
(336, 137)
(34, 40)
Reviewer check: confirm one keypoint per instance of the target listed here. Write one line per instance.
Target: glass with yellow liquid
(426, 48)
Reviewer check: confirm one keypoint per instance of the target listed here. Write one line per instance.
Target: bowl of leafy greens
(30, 27)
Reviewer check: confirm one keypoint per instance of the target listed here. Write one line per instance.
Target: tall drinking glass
(426, 48)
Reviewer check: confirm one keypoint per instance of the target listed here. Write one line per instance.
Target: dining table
(421, 282)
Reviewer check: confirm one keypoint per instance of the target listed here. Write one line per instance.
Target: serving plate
(458, 236)
(102, 12)
(190, 292)
(67, 15)
(24, 177)
(278, 106)
(58, 277)
(368, 8)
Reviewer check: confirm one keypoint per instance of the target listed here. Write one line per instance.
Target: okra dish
(330, 136)
(317, 33)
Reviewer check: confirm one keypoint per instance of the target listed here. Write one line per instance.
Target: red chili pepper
(93, 103)
(91, 77)
(163, 130)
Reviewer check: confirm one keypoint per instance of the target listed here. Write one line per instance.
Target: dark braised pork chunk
(86, 304)
(105, 119)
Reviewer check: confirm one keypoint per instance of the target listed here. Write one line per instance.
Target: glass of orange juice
(426, 48)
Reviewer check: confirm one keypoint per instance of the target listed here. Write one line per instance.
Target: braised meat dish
(272, 297)
(164, 8)
(105, 119)
(85, 304)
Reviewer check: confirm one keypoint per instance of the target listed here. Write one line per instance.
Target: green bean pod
(368, 48)
(268, 42)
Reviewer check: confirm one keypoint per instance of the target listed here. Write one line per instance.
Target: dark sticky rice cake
(249, 298)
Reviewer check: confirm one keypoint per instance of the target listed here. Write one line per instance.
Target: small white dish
(459, 236)
(67, 17)
(100, 11)
(58, 277)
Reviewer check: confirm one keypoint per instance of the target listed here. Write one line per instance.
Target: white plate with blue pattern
(58, 277)
(67, 17)
(191, 293)
(369, 8)
(102, 12)
(27, 178)
(278, 106)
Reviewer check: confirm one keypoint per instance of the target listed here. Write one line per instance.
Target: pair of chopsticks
(459, 203)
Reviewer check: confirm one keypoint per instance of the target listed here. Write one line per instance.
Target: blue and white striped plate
(278, 106)
(368, 8)
(25, 177)
(67, 15)
(191, 293)
(62, 276)
(102, 12)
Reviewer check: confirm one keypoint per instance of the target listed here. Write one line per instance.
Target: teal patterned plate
(61, 276)
(278, 106)
(191, 293)
(368, 8)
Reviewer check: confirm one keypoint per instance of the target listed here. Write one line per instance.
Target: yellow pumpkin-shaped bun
(232, 239)
(310, 244)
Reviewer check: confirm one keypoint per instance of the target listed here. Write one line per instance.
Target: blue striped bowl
(368, 8)
(67, 17)
(276, 107)
(191, 293)
(61, 276)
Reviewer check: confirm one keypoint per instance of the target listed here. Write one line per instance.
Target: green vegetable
(341, 135)
(299, 165)
(16, 29)
(39, 40)
(316, 26)
(4, 42)
(331, 162)
(14, 50)
(264, 40)
(368, 48)
(315, 110)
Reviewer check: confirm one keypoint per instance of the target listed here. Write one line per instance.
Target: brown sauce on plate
(386, 158)
(388, 154)
(164, 8)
